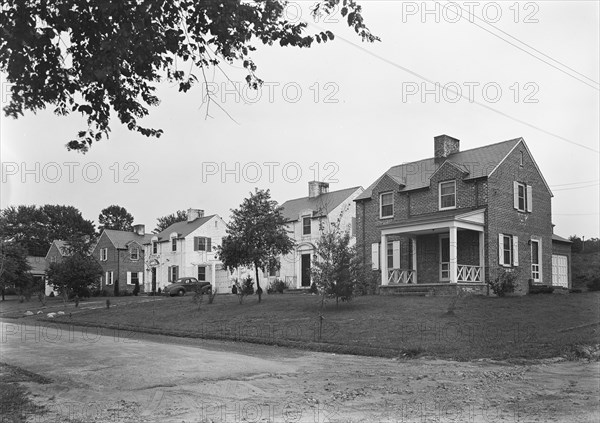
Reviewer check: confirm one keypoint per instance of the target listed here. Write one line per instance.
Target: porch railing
(467, 273)
(396, 276)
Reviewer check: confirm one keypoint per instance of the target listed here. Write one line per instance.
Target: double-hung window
(447, 195)
(386, 205)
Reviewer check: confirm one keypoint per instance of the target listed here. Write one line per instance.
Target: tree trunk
(2, 293)
(258, 288)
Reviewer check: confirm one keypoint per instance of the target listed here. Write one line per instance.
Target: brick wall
(502, 217)
(120, 263)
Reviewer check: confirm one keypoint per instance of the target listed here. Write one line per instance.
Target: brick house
(304, 216)
(121, 256)
(58, 249)
(459, 219)
(187, 249)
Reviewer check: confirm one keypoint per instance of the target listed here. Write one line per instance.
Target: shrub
(277, 286)
(313, 288)
(211, 295)
(51, 294)
(594, 284)
(136, 288)
(248, 285)
(504, 283)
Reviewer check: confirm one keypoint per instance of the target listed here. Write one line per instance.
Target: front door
(444, 258)
(305, 271)
(154, 279)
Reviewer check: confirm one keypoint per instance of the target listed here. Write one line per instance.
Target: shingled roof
(183, 229)
(320, 204)
(120, 239)
(476, 163)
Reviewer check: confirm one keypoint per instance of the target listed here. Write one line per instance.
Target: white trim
(436, 225)
(538, 241)
(453, 181)
(441, 237)
(375, 256)
(381, 205)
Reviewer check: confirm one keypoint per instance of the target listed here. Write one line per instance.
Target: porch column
(383, 260)
(414, 258)
(482, 255)
(453, 255)
(214, 274)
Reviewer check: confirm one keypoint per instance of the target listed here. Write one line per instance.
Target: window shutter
(105, 278)
(375, 256)
(529, 198)
(516, 195)
(196, 242)
(141, 278)
(208, 245)
(353, 227)
(396, 254)
(128, 278)
(515, 250)
(169, 275)
(500, 249)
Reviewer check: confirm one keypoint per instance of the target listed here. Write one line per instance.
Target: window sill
(447, 208)
(386, 217)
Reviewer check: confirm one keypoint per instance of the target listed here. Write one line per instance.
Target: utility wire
(396, 65)
(575, 183)
(531, 47)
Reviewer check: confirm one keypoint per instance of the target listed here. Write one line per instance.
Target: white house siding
(305, 244)
(185, 257)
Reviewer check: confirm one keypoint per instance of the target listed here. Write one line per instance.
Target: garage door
(560, 271)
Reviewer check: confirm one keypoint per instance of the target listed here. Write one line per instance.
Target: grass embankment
(535, 326)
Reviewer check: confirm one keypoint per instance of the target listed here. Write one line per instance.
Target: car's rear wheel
(181, 292)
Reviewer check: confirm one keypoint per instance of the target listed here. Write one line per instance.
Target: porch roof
(461, 218)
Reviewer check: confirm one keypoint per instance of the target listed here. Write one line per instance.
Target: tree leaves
(98, 56)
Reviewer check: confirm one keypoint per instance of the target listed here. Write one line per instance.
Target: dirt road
(106, 376)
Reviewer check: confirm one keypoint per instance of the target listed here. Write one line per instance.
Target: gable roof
(477, 163)
(320, 204)
(120, 239)
(60, 245)
(182, 229)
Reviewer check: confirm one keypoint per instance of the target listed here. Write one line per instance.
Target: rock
(39, 312)
(61, 313)
(28, 313)
(51, 315)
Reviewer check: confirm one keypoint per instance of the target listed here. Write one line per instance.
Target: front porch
(443, 254)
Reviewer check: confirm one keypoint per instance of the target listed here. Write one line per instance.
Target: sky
(343, 112)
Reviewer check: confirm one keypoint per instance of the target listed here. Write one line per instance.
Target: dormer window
(134, 253)
(447, 195)
(386, 205)
(306, 226)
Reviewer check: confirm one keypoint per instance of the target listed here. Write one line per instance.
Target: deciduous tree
(115, 217)
(98, 57)
(35, 227)
(256, 235)
(14, 268)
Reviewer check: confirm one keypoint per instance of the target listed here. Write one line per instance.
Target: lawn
(534, 326)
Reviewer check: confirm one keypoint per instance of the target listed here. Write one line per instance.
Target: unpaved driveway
(113, 377)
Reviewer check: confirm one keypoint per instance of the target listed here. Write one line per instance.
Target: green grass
(532, 327)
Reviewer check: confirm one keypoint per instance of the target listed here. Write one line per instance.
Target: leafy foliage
(256, 235)
(97, 56)
(14, 268)
(35, 227)
(331, 271)
(504, 282)
(365, 279)
(115, 217)
(77, 274)
(166, 221)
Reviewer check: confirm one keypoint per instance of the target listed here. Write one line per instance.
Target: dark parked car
(183, 285)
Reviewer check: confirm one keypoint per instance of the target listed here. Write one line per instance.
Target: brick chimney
(193, 214)
(444, 145)
(139, 229)
(316, 188)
